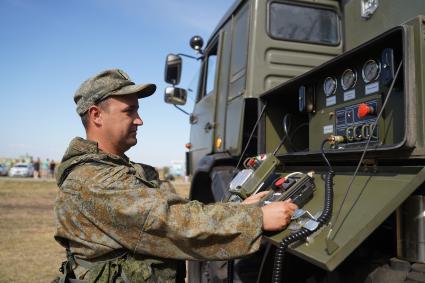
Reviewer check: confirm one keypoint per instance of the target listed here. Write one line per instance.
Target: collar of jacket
(81, 150)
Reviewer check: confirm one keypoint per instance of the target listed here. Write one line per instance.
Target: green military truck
(333, 88)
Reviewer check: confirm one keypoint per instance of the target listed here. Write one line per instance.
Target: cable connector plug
(336, 139)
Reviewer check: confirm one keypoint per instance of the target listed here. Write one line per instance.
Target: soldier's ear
(95, 116)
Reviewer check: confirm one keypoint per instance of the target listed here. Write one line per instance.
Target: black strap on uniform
(66, 267)
(181, 271)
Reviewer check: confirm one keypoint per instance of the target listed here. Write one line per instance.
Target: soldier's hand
(255, 198)
(277, 215)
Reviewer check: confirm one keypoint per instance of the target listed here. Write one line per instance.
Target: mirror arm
(189, 56)
(181, 109)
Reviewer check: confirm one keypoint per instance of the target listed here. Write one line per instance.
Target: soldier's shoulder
(88, 170)
(150, 172)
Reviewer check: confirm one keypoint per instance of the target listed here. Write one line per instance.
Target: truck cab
(256, 46)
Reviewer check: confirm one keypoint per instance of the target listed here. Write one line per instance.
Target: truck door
(202, 119)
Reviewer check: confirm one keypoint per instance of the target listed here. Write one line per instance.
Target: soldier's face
(120, 121)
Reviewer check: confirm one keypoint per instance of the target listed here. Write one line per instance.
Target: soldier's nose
(138, 121)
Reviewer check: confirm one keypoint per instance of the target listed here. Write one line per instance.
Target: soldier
(113, 217)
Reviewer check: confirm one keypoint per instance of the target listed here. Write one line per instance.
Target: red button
(279, 182)
(364, 110)
(251, 162)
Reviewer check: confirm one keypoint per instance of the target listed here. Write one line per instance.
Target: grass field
(28, 252)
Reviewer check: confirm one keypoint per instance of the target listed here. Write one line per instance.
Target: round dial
(371, 70)
(348, 79)
(329, 86)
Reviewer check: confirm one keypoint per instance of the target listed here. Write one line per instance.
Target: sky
(49, 47)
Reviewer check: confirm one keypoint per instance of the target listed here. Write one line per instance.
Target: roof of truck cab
(226, 16)
(236, 4)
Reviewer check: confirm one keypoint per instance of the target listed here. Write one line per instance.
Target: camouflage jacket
(106, 203)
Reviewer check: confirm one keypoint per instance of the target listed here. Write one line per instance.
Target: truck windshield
(303, 23)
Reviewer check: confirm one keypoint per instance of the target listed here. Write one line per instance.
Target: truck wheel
(221, 176)
(207, 271)
(246, 270)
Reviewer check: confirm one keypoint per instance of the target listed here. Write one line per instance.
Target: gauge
(371, 71)
(348, 79)
(329, 86)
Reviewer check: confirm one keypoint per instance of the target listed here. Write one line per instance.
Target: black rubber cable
(230, 265)
(303, 232)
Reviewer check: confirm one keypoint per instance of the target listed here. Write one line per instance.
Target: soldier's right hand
(277, 215)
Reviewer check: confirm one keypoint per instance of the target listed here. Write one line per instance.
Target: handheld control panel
(297, 186)
(253, 178)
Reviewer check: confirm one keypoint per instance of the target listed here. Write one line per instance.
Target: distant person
(37, 165)
(116, 220)
(45, 168)
(52, 166)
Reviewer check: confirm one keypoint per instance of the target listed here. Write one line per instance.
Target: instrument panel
(350, 109)
(344, 97)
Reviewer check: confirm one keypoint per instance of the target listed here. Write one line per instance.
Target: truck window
(211, 64)
(212, 61)
(303, 23)
(240, 44)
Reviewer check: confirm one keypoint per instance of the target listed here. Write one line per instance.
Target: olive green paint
(375, 194)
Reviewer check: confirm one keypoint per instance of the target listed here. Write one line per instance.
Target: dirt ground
(28, 252)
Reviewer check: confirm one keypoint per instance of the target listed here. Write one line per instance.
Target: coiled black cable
(303, 233)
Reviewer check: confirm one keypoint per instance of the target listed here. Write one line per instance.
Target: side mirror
(175, 95)
(173, 68)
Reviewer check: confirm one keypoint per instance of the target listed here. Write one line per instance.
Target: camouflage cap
(108, 83)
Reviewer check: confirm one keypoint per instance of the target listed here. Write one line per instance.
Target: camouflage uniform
(107, 203)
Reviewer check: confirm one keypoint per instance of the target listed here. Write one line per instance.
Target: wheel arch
(201, 186)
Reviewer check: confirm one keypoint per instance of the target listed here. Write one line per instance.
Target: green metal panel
(374, 195)
(416, 75)
(238, 62)
(236, 80)
(272, 61)
(223, 87)
(200, 138)
(390, 13)
(234, 125)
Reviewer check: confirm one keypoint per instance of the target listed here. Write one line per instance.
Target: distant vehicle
(3, 170)
(177, 168)
(21, 170)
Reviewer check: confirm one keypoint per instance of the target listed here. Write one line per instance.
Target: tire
(246, 270)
